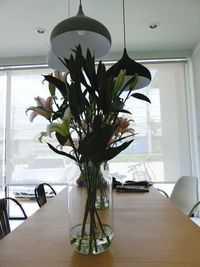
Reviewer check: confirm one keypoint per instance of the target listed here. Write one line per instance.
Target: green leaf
(66, 60)
(89, 69)
(141, 97)
(101, 72)
(93, 146)
(61, 152)
(114, 151)
(79, 56)
(98, 120)
(117, 104)
(63, 62)
(61, 139)
(123, 111)
(105, 94)
(75, 65)
(77, 101)
(57, 83)
(61, 128)
(60, 112)
(119, 81)
(123, 138)
(52, 89)
(131, 83)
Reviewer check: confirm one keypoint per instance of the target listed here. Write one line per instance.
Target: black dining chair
(4, 218)
(40, 193)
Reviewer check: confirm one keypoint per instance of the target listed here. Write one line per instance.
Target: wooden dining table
(148, 232)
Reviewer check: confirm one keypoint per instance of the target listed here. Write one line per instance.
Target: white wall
(196, 73)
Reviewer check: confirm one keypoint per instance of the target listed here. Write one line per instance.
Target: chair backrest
(185, 193)
(4, 219)
(40, 194)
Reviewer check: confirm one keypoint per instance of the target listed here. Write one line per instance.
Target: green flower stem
(74, 148)
(90, 173)
(84, 223)
(92, 228)
(101, 226)
(92, 193)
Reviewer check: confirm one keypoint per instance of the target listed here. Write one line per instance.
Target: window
(160, 152)
(2, 125)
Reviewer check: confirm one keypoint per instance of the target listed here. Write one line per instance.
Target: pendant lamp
(131, 67)
(54, 62)
(80, 30)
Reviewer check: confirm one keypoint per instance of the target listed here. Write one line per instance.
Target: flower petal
(49, 103)
(40, 101)
(39, 111)
(42, 134)
(32, 116)
(56, 127)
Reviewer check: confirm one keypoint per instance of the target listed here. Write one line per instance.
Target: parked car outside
(52, 170)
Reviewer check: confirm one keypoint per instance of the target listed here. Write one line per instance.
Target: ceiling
(179, 22)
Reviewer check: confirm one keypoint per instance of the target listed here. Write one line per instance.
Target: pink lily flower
(44, 108)
(59, 75)
(123, 125)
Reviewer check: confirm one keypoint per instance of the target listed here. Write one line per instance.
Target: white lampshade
(80, 30)
(54, 62)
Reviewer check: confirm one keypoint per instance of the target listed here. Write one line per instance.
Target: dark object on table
(40, 194)
(138, 183)
(80, 181)
(4, 219)
(132, 189)
(115, 183)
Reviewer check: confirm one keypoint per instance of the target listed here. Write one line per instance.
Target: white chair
(185, 194)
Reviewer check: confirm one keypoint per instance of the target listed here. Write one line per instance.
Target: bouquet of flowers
(88, 116)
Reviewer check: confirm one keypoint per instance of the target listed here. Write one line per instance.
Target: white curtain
(161, 151)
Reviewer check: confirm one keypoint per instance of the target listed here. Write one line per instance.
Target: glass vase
(90, 209)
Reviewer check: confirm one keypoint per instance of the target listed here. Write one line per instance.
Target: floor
(196, 220)
(29, 206)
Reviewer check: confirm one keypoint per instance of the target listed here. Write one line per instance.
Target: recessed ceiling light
(40, 30)
(154, 25)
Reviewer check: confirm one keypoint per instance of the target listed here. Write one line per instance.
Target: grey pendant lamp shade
(83, 30)
(131, 66)
(54, 62)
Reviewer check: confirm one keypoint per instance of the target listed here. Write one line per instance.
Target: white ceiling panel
(179, 24)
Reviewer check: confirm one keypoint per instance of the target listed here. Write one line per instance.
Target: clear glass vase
(90, 210)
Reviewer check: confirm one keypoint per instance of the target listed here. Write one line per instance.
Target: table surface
(148, 232)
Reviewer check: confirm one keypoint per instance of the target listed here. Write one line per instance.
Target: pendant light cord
(68, 8)
(124, 26)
